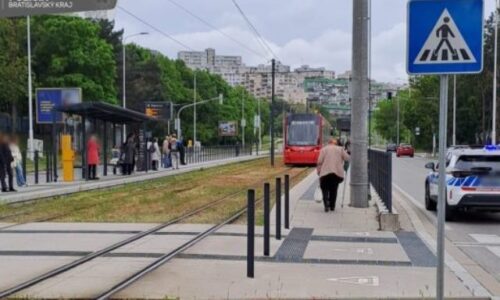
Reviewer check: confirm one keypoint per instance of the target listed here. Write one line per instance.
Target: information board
(159, 110)
(47, 99)
(228, 128)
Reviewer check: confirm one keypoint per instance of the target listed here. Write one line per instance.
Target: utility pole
(397, 126)
(243, 121)
(495, 70)
(454, 138)
(273, 74)
(360, 95)
(194, 115)
(260, 126)
(31, 144)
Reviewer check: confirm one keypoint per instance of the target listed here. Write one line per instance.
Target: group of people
(174, 152)
(10, 159)
(331, 169)
(171, 154)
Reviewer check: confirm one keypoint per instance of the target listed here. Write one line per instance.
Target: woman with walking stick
(331, 172)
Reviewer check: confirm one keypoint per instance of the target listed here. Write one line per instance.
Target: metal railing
(211, 153)
(380, 175)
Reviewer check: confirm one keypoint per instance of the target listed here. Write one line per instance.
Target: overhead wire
(216, 29)
(155, 28)
(259, 37)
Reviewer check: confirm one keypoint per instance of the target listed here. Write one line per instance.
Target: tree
(13, 66)
(68, 52)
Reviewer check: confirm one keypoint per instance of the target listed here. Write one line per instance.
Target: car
(473, 181)
(391, 147)
(405, 150)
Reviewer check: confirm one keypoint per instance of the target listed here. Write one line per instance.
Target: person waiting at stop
(92, 157)
(6, 160)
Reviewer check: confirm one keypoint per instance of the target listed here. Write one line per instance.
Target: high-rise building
(229, 67)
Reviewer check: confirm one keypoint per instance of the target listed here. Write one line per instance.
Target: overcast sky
(313, 32)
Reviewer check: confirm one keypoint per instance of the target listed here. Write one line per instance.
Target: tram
(305, 135)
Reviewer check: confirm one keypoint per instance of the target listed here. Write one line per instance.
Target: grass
(157, 200)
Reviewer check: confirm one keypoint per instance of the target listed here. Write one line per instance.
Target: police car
(473, 181)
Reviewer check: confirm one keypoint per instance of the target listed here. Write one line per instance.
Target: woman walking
(331, 172)
(92, 157)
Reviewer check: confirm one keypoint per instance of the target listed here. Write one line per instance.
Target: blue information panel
(50, 98)
(445, 36)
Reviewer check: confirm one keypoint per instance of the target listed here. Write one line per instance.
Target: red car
(405, 150)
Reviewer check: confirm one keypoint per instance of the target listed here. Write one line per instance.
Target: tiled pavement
(335, 255)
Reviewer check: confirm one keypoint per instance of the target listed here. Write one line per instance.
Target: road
(476, 234)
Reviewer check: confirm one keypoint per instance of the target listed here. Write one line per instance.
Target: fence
(205, 154)
(380, 174)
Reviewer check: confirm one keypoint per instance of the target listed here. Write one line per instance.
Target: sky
(299, 32)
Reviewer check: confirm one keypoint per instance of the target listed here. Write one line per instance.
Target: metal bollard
(287, 201)
(267, 221)
(36, 166)
(250, 233)
(24, 164)
(47, 166)
(278, 208)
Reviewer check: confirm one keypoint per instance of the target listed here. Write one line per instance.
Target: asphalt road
(476, 234)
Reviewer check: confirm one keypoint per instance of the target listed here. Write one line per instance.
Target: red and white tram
(305, 135)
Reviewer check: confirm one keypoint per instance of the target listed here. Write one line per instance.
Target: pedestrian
(154, 149)
(92, 157)
(331, 172)
(174, 152)
(6, 160)
(17, 164)
(129, 154)
(167, 162)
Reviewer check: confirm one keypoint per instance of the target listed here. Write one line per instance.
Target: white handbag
(318, 195)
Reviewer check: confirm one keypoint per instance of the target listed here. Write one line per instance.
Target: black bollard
(47, 166)
(267, 221)
(287, 201)
(36, 166)
(24, 164)
(278, 208)
(250, 233)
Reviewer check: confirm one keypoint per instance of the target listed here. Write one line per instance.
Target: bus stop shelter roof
(105, 112)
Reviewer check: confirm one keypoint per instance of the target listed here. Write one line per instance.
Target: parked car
(473, 181)
(405, 150)
(391, 147)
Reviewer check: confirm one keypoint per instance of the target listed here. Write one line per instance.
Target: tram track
(160, 261)
(102, 195)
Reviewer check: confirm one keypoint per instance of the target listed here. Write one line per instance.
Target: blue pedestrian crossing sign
(445, 36)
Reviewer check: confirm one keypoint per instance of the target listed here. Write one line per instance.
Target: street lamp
(220, 98)
(124, 81)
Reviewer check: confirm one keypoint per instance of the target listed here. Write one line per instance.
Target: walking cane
(345, 183)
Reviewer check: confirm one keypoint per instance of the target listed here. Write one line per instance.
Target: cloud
(329, 48)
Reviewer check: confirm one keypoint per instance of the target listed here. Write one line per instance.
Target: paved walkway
(339, 255)
(45, 190)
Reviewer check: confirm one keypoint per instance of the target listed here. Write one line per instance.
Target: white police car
(473, 181)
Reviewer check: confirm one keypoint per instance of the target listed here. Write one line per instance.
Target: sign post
(444, 37)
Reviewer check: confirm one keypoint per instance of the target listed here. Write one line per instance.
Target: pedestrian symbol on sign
(445, 44)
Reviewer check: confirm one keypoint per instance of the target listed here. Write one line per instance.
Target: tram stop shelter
(109, 115)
